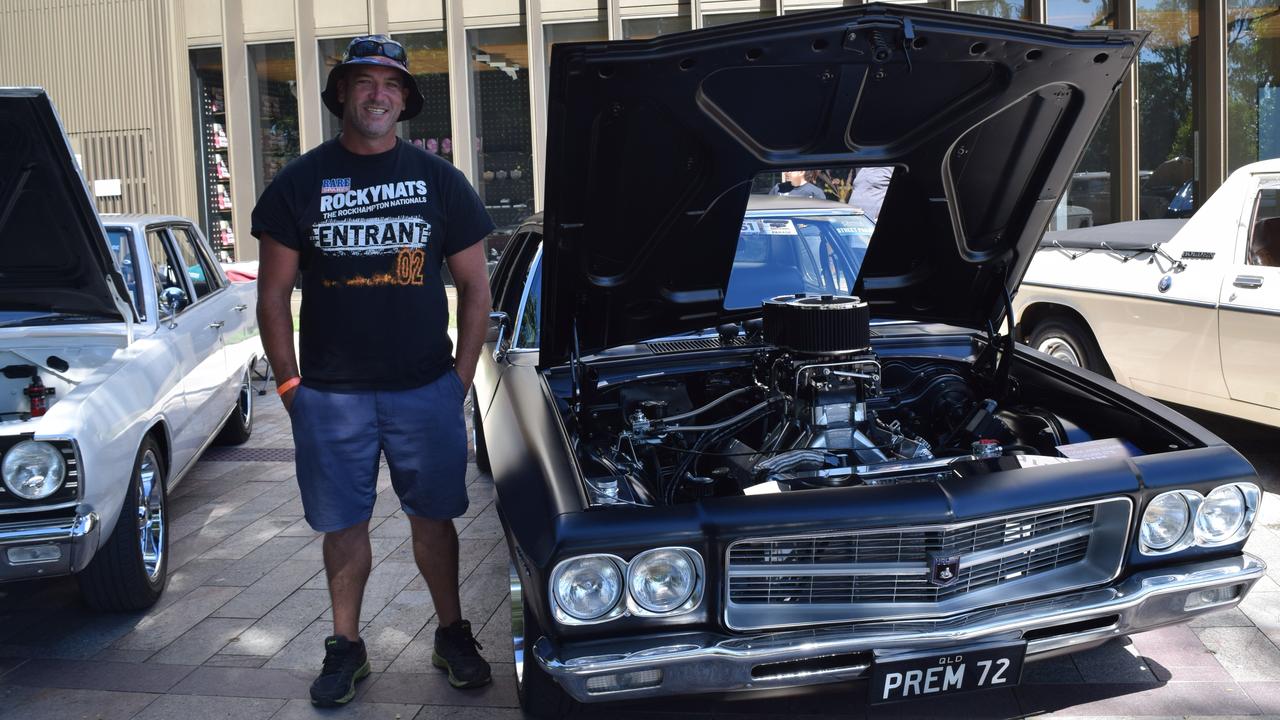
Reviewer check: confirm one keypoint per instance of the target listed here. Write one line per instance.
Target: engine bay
(815, 406)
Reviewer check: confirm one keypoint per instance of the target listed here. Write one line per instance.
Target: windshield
(796, 252)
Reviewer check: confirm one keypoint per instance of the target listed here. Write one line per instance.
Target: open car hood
(54, 254)
(652, 146)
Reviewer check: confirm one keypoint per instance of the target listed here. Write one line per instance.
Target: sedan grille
(884, 574)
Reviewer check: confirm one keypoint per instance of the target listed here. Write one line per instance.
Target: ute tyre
(130, 569)
(539, 695)
(1067, 340)
(239, 425)
(477, 433)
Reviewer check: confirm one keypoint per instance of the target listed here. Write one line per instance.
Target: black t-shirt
(373, 232)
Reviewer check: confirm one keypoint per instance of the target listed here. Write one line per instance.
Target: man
(369, 219)
(798, 184)
(869, 188)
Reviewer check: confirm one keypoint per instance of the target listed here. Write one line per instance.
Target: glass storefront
(273, 104)
(641, 21)
(573, 32)
(213, 172)
(1253, 81)
(1008, 9)
(1166, 116)
(331, 52)
(731, 18)
(500, 115)
(1090, 199)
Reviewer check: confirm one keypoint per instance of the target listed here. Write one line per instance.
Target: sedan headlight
(662, 580)
(1221, 515)
(1165, 521)
(33, 470)
(588, 587)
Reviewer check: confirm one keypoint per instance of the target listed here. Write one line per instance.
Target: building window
(1166, 121)
(1253, 81)
(715, 20)
(1008, 9)
(1091, 197)
(573, 32)
(273, 104)
(212, 149)
(331, 52)
(643, 19)
(500, 112)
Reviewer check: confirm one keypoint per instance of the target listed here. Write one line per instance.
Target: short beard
(354, 124)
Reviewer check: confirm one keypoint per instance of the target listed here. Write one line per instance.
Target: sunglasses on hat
(372, 48)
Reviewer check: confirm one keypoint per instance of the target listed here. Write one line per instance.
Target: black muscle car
(733, 451)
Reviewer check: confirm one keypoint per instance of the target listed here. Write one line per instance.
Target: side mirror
(497, 334)
(172, 300)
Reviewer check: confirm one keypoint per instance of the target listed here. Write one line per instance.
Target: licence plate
(976, 667)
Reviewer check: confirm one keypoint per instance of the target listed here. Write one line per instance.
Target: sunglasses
(370, 48)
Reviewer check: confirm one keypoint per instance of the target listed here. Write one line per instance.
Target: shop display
(212, 150)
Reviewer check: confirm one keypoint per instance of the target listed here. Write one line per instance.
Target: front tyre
(540, 696)
(1065, 339)
(129, 571)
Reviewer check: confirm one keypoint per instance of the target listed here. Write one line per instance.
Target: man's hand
(471, 280)
(287, 398)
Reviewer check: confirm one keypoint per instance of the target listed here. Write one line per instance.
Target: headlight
(588, 587)
(33, 470)
(1221, 515)
(662, 580)
(1165, 521)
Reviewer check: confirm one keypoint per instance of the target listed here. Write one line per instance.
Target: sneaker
(456, 654)
(345, 664)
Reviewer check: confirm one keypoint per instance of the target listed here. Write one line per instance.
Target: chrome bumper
(76, 540)
(676, 665)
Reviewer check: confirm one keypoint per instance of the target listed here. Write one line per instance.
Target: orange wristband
(288, 385)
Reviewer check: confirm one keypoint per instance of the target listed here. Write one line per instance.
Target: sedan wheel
(239, 425)
(1059, 348)
(539, 695)
(129, 571)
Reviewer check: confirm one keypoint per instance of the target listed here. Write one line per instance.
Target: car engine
(815, 407)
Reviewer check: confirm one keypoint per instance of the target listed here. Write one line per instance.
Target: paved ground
(238, 632)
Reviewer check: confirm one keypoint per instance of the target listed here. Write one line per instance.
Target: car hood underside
(652, 147)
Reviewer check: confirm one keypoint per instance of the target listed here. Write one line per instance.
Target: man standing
(369, 220)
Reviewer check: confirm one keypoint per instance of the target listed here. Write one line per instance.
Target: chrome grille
(885, 574)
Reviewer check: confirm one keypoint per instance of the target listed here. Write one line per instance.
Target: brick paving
(238, 632)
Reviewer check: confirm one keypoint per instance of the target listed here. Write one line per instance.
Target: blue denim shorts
(339, 436)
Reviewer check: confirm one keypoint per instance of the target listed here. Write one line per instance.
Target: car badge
(1165, 283)
(943, 569)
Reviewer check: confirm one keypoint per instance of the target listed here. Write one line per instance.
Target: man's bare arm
(471, 279)
(277, 269)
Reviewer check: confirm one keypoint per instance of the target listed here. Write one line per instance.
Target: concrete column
(1126, 185)
(537, 95)
(695, 13)
(464, 144)
(615, 20)
(235, 81)
(378, 17)
(307, 59)
(1213, 105)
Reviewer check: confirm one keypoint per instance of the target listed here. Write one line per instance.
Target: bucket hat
(373, 50)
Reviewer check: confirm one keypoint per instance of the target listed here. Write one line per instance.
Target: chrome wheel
(517, 621)
(1059, 348)
(244, 405)
(151, 515)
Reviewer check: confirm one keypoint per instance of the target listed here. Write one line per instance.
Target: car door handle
(240, 308)
(1248, 281)
(217, 325)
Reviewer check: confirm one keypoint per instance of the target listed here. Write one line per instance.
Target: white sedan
(124, 352)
